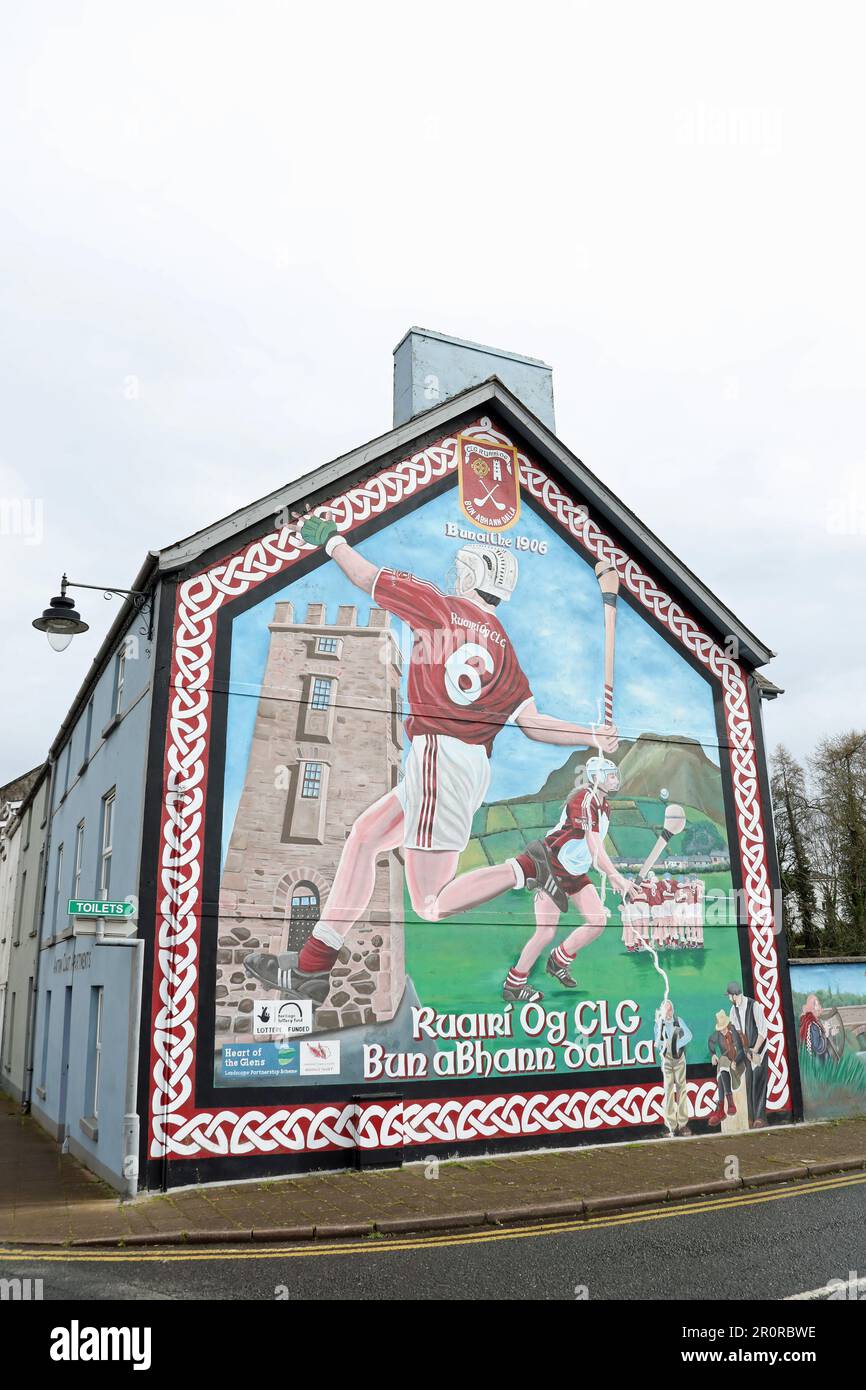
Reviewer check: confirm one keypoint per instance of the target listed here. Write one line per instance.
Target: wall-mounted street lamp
(60, 620)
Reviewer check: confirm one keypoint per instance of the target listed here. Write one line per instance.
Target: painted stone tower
(327, 743)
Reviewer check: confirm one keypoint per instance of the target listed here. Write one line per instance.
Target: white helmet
(485, 567)
(598, 770)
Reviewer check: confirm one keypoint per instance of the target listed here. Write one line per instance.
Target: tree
(793, 817)
(838, 772)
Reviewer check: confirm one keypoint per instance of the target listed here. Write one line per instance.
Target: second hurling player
(571, 848)
(465, 683)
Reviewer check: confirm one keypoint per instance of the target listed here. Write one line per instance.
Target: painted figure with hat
(728, 1056)
(748, 1021)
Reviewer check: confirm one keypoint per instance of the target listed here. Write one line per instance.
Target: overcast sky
(218, 220)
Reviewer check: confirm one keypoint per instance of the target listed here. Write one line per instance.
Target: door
(304, 913)
(64, 1062)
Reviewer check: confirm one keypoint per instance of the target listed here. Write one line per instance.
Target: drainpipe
(130, 1118)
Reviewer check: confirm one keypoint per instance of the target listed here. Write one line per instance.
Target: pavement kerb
(273, 1233)
(451, 1221)
(500, 1216)
(775, 1175)
(842, 1165)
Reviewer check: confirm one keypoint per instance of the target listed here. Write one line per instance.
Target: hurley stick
(675, 821)
(608, 582)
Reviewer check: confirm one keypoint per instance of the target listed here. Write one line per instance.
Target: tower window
(321, 696)
(311, 783)
(326, 646)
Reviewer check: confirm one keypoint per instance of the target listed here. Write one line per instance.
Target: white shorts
(444, 783)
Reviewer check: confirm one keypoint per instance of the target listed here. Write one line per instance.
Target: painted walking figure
(672, 1037)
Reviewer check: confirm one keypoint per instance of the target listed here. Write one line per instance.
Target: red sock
(563, 957)
(514, 979)
(527, 867)
(316, 955)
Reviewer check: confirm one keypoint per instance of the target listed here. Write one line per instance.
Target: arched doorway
(304, 910)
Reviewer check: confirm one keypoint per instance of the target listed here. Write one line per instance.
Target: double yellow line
(371, 1245)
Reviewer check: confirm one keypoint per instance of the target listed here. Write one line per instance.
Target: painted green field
(502, 829)
(834, 1088)
(458, 966)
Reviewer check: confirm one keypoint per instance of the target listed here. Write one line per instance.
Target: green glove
(316, 530)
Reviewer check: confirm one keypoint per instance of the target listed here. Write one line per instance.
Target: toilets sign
(85, 908)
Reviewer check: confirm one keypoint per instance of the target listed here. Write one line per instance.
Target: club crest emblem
(489, 483)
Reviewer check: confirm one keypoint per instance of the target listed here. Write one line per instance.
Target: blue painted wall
(101, 754)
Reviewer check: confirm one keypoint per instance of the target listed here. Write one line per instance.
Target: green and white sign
(77, 908)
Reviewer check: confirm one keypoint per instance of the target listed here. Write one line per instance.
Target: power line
(405, 711)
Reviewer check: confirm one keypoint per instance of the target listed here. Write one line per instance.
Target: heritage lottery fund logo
(282, 1019)
(77, 1343)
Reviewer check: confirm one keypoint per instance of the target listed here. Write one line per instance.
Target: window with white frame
(321, 696)
(79, 859)
(22, 893)
(58, 884)
(119, 679)
(40, 888)
(88, 729)
(326, 646)
(94, 1061)
(108, 806)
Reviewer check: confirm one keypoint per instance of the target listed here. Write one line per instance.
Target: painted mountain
(647, 764)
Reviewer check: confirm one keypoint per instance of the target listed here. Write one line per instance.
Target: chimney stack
(431, 367)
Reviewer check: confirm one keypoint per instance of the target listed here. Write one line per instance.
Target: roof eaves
(548, 446)
(38, 781)
(767, 688)
(184, 551)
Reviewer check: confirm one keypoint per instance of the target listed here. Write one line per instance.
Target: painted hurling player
(570, 849)
(465, 683)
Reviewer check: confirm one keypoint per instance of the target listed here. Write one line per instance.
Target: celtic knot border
(177, 1128)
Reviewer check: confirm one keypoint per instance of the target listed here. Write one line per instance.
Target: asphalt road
(770, 1244)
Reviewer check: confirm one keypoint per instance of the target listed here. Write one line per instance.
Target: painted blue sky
(841, 978)
(554, 620)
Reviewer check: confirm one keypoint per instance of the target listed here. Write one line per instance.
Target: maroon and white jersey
(464, 677)
(584, 810)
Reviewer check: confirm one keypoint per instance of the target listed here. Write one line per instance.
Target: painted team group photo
(465, 781)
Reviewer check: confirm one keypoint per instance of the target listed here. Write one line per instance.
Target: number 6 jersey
(464, 677)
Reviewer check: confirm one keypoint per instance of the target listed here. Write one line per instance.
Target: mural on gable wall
(457, 841)
(830, 1006)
